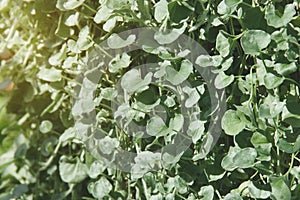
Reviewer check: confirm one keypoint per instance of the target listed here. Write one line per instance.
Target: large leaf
(232, 122)
(253, 41)
(280, 190)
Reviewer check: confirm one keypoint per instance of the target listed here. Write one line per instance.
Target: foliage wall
(254, 47)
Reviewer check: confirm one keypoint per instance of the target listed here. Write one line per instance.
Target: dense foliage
(253, 49)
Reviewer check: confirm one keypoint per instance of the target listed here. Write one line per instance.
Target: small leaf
(72, 170)
(46, 126)
(204, 61)
(277, 21)
(177, 77)
(253, 41)
(116, 42)
(116, 4)
(100, 188)
(196, 130)
(288, 147)
(222, 45)
(96, 168)
(193, 96)
(161, 10)
(57, 58)
(102, 14)
(171, 36)
(132, 81)
(222, 80)
(111, 23)
(232, 123)
(258, 193)
(228, 6)
(84, 41)
(50, 75)
(233, 196)
(156, 127)
(119, 62)
(72, 20)
(64, 5)
(206, 192)
(107, 145)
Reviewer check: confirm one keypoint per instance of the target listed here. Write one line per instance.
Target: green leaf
(46, 126)
(280, 190)
(170, 36)
(288, 147)
(233, 196)
(177, 77)
(274, 19)
(116, 42)
(222, 80)
(239, 158)
(206, 192)
(193, 96)
(196, 130)
(176, 123)
(57, 59)
(291, 118)
(253, 41)
(96, 168)
(228, 6)
(103, 14)
(258, 193)
(4, 5)
(116, 4)
(285, 69)
(108, 93)
(84, 41)
(108, 145)
(222, 45)
(100, 188)
(72, 170)
(72, 20)
(64, 5)
(156, 127)
(204, 61)
(119, 62)
(144, 162)
(262, 146)
(111, 23)
(272, 81)
(132, 81)
(271, 107)
(161, 10)
(232, 122)
(50, 75)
